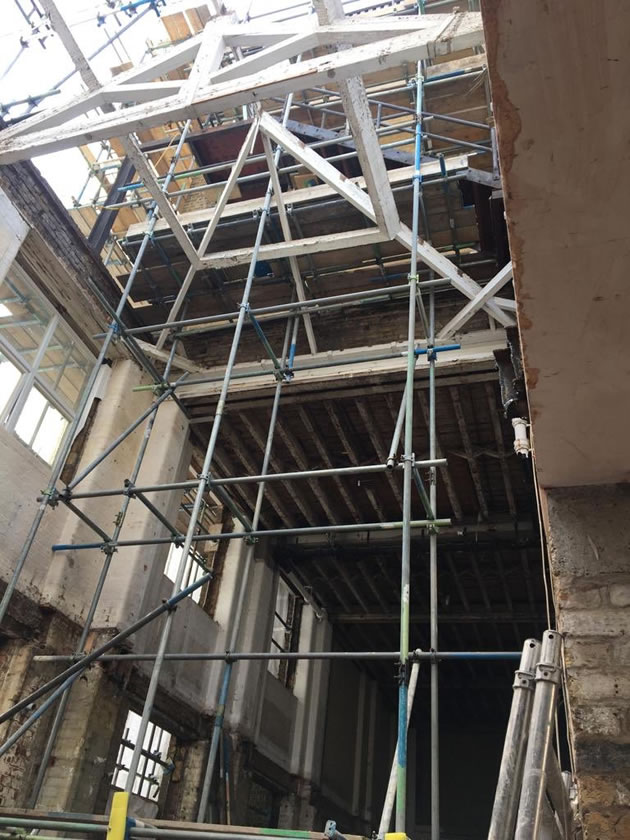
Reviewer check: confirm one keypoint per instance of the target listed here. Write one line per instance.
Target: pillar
(589, 543)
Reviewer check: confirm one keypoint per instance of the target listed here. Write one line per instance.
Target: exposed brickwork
(590, 552)
(19, 675)
(353, 327)
(43, 211)
(56, 255)
(182, 797)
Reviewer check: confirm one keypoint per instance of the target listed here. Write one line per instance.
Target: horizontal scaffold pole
(269, 532)
(331, 300)
(229, 656)
(256, 479)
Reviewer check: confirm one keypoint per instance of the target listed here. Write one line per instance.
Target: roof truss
(277, 67)
(364, 48)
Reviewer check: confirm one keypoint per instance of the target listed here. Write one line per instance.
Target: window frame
(194, 569)
(30, 377)
(284, 669)
(153, 766)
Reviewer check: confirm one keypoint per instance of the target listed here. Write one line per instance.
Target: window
(286, 631)
(153, 764)
(195, 568)
(43, 367)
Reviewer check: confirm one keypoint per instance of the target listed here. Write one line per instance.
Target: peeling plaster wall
(558, 75)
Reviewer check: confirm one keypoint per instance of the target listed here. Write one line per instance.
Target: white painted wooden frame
(362, 47)
(380, 45)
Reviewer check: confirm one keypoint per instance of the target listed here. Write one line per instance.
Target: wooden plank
(475, 348)
(145, 173)
(318, 165)
(359, 116)
(288, 48)
(357, 32)
(207, 60)
(445, 268)
(489, 290)
(314, 132)
(297, 247)
(139, 91)
(209, 232)
(286, 233)
(162, 356)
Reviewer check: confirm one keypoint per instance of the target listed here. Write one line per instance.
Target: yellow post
(395, 835)
(117, 827)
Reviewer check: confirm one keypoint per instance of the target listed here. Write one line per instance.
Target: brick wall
(56, 254)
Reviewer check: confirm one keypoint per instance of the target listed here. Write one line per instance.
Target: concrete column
(134, 581)
(589, 542)
(321, 639)
(249, 677)
(310, 688)
(79, 776)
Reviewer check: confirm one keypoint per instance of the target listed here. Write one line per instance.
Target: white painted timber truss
(139, 99)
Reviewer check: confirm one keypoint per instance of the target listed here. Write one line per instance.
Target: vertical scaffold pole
(203, 479)
(548, 674)
(408, 464)
(511, 770)
(388, 806)
(248, 549)
(433, 591)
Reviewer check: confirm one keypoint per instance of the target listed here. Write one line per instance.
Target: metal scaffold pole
(247, 549)
(511, 771)
(408, 459)
(539, 746)
(203, 479)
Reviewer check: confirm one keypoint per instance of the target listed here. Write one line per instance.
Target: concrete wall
(589, 542)
(23, 476)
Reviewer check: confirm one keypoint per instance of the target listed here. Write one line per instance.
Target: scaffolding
(231, 55)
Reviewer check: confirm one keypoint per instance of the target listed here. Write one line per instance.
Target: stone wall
(589, 542)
